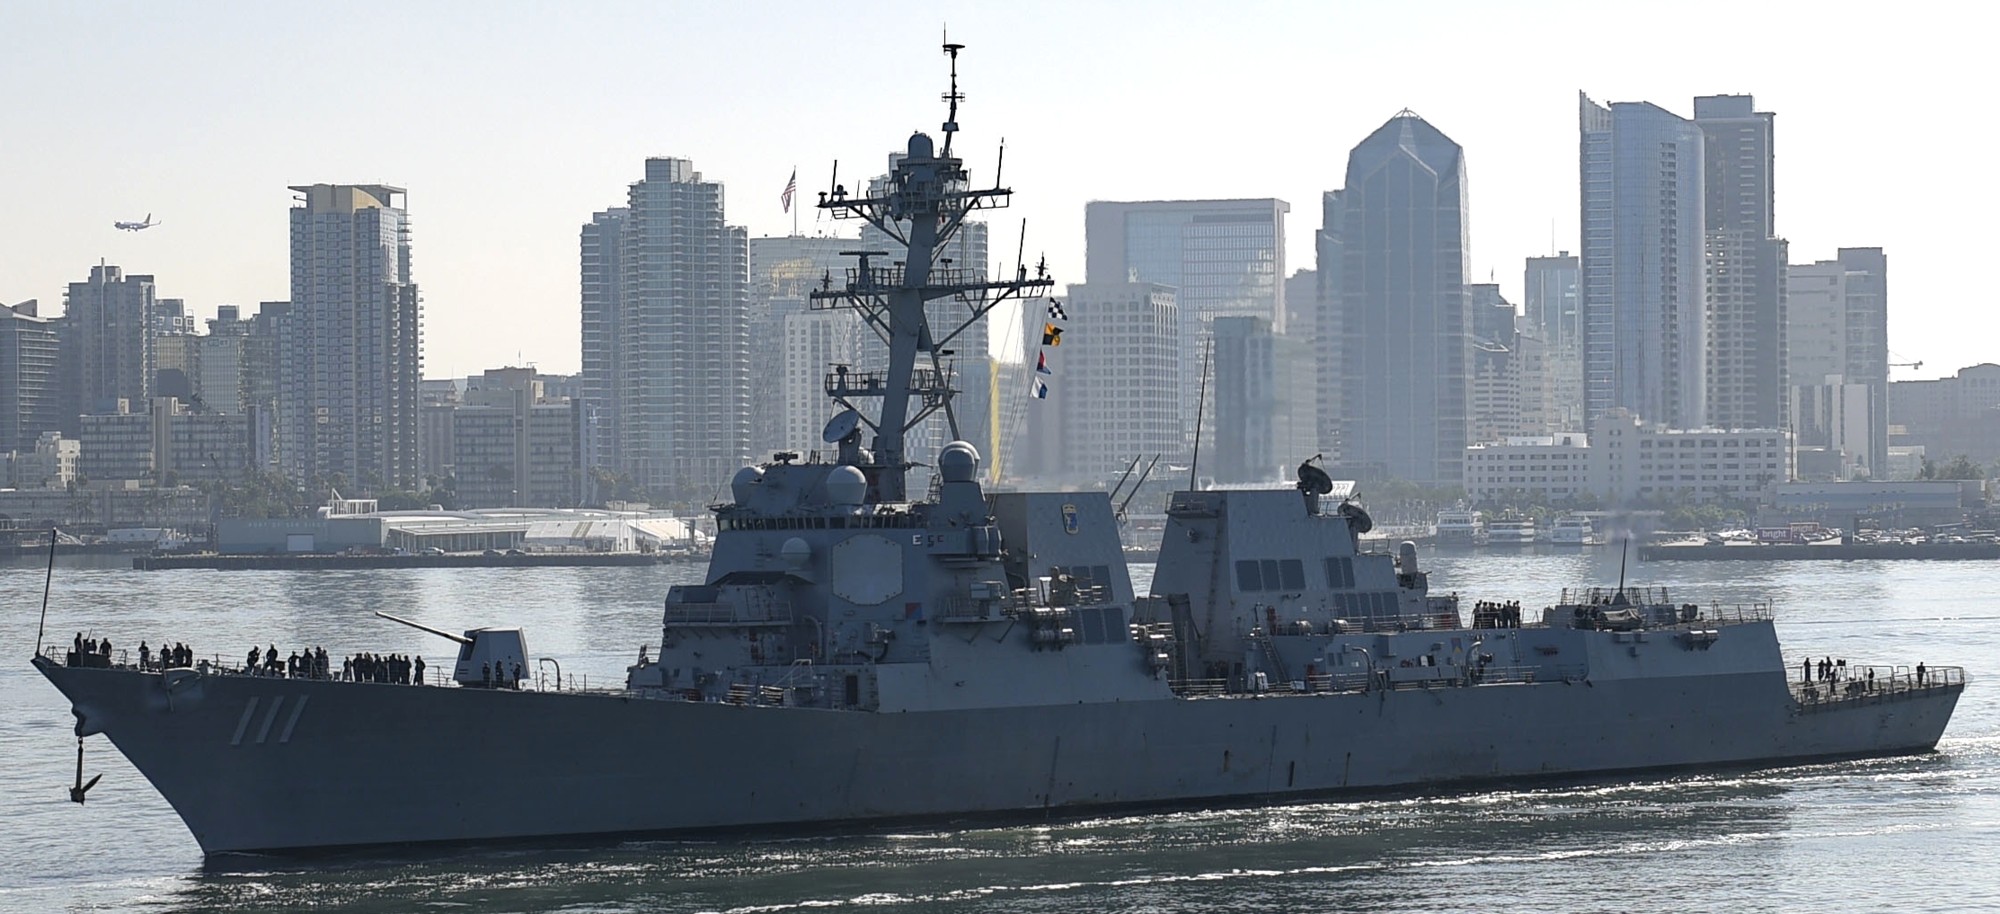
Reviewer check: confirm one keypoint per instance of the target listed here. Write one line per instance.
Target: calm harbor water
(1914, 834)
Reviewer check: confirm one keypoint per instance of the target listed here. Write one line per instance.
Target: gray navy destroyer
(860, 654)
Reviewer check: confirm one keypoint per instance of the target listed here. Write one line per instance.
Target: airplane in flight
(136, 226)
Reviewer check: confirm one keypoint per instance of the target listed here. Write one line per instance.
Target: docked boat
(1572, 530)
(860, 654)
(1461, 527)
(1511, 532)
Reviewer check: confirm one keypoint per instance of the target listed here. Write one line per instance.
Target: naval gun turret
(487, 657)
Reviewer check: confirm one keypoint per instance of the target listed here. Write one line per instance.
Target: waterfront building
(508, 443)
(50, 464)
(350, 345)
(1837, 321)
(1265, 421)
(1625, 460)
(1405, 310)
(161, 443)
(674, 341)
(30, 366)
(1644, 301)
(107, 343)
(1950, 417)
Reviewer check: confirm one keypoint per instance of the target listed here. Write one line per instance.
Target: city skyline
(222, 112)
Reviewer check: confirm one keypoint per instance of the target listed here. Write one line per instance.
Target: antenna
(1624, 553)
(1021, 253)
(47, 581)
(1134, 465)
(1200, 403)
(953, 97)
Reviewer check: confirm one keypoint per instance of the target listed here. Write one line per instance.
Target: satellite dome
(796, 552)
(958, 462)
(920, 146)
(846, 486)
(744, 483)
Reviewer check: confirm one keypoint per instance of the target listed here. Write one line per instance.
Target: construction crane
(1913, 366)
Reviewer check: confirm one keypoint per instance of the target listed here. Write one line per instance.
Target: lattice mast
(922, 205)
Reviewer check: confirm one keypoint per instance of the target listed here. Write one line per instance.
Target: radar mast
(922, 205)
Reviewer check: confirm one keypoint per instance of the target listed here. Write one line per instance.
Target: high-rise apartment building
(1837, 320)
(1112, 394)
(1405, 311)
(1745, 266)
(350, 347)
(603, 294)
(783, 272)
(681, 363)
(107, 343)
(30, 356)
(1644, 300)
(1510, 389)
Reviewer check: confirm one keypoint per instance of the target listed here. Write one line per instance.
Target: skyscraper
(1405, 311)
(683, 365)
(30, 351)
(1838, 331)
(1112, 387)
(1645, 336)
(783, 271)
(1745, 265)
(1555, 313)
(1328, 337)
(350, 346)
(603, 289)
(1264, 410)
(107, 344)
(1221, 258)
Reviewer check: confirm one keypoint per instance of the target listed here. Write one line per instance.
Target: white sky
(511, 122)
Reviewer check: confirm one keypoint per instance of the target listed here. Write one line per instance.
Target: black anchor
(76, 793)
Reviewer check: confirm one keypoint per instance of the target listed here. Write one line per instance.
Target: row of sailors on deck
(170, 656)
(313, 663)
(1488, 614)
(393, 669)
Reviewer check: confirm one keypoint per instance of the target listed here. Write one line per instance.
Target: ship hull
(267, 765)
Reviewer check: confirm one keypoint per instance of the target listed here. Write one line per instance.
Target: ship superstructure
(859, 653)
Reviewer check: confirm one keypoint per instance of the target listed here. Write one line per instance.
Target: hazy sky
(511, 122)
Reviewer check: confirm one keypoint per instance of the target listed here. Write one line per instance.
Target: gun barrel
(420, 626)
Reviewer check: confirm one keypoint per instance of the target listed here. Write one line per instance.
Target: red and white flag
(791, 187)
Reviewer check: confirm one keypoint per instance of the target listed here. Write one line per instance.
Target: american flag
(791, 187)
(1056, 312)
